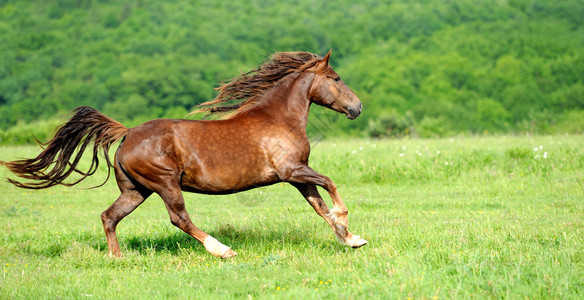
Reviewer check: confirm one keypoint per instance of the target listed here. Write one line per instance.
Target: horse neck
(288, 100)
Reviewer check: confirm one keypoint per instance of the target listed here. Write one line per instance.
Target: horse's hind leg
(179, 217)
(131, 197)
(123, 206)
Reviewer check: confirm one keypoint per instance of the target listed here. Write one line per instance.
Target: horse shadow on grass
(176, 242)
(236, 238)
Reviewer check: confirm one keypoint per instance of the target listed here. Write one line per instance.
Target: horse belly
(226, 178)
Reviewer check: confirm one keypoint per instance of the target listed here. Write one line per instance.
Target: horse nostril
(355, 111)
(360, 107)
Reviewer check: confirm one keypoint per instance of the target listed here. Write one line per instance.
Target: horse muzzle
(355, 111)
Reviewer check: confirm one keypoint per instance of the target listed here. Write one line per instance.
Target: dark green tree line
(427, 68)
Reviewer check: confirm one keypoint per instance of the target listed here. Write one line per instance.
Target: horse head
(330, 91)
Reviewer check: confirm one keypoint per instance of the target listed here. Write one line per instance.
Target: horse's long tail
(54, 164)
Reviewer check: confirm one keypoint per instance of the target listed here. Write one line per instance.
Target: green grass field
(467, 217)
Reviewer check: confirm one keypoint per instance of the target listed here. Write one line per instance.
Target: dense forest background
(422, 68)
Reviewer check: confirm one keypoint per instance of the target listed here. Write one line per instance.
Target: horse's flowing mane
(247, 89)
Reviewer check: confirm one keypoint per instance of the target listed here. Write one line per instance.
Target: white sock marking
(214, 246)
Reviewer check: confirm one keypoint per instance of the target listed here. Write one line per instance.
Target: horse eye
(337, 79)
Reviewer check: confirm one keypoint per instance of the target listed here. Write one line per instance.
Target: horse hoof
(356, 241)
(229, 253)
(360, 243)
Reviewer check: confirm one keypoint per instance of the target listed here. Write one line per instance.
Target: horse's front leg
(304, 179)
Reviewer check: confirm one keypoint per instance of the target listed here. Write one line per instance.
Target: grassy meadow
(462, 217)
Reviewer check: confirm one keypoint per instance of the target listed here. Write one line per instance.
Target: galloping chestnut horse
(262, 141)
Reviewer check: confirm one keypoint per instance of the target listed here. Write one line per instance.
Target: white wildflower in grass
(545, 155)
(360, 148)
(402, 154)
(354, 151)
(446, 163)
(535, 149)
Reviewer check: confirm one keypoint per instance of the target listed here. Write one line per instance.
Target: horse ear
(326, 58)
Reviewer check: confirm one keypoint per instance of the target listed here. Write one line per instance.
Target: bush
(570, 122)
(391, 125)
(25, 133)
(433, 127)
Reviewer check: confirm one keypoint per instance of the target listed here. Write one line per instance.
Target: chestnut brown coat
(262, 141)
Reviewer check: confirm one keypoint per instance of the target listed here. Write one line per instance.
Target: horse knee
(108, 223)
(179, 221)
(175, 220)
